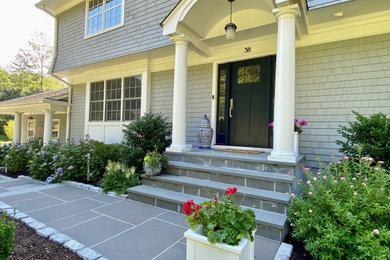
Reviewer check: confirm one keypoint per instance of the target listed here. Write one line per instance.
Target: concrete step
(269, 224)
(256, 162)
(249, 178)
(251, 197)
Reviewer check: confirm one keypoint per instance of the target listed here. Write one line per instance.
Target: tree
(30, 66)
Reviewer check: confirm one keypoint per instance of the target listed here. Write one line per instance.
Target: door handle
(231, 108)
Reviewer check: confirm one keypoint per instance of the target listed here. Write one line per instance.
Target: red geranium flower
(190, 207)
(230, 191)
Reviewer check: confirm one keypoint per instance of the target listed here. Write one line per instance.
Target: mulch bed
(299, 252)
(28, 245)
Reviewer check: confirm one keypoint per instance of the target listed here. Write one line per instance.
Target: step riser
(262, 230)
(230, 163)
(206, 192)
(230, 179)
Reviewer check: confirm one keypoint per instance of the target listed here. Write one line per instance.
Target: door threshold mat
(238, 151)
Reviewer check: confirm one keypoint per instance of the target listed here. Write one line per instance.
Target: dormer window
(103, 15)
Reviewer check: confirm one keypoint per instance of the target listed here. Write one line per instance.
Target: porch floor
(115, 227)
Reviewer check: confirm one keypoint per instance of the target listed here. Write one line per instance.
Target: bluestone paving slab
(37, 203)
(174, 218)
(23, 196)
(265, 248)
(97, 230)
(69, 193)
(106, 199)
(142, 242)
(177, 252)
(73, 220)
(64, 210)
(130, 211)
(3, 190)
(13, 183)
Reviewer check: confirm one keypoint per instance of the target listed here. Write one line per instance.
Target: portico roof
(52, 100)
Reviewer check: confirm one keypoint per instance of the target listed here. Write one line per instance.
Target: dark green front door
(248, 105)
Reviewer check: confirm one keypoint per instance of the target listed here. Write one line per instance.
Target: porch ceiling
(36, 107)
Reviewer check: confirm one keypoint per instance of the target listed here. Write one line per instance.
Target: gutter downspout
(51, 68)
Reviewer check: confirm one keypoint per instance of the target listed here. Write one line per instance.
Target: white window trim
(86, 36)
(28, 128)
(59, 130)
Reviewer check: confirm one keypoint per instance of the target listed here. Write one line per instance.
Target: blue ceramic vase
(205, 133)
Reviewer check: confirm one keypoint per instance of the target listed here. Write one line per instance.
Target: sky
(18, 20)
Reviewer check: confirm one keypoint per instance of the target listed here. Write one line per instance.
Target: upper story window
(103, 15)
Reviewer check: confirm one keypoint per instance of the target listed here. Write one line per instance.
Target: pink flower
(324, 177)
(330, 164)
(295, 121)
(355, 193)
(310, 193)
(310, 211)
(358, 173)
(306, 169)
(295, 213)
(345, 157)
(376, 169)
(376, 231)
(381, 162)
(364, 184)
(351, 186)
(289, 173)
(338, 162)
(292, 195)
(303, 122)
(315, 178)
(349, 213)
(354, 178)
(365, 179)
(308, 182)
(271, 124)
(335, 181)
(342, 178)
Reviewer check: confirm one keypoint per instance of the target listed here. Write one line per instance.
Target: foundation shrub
(101, 154)
(7, 234)
(18, 156)
(343, 212)
(42, 163)
(3, 152)
(368, 136)
(151, 132)
(118, 177)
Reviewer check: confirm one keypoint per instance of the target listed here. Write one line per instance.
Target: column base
(283, 157)
(179, 148)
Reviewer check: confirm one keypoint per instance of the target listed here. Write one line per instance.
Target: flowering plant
(297, 125)
(344, 210)
(223, 221)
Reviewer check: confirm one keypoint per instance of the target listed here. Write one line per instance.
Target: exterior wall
(39, 126)
(198, 96)
(141, 31)
(334, 79)
(77, 110)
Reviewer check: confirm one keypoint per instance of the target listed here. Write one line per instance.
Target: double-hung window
(55, 129)
(103, 15)
(115, 99)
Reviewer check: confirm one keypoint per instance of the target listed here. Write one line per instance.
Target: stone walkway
(115, 227)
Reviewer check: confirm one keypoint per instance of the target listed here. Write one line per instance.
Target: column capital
(289, 11)
(180, 39)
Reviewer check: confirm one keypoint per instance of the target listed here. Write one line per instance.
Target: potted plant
(297, 130)
(220, 229)
(154, 162)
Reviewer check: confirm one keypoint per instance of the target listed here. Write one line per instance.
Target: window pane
(96, 111)
(113, 109)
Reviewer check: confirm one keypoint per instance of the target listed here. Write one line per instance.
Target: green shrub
(101, 154)
(146, 134)
(3, 152)
(9, 129)
(18, 156)
(41, 164)
(368, 135)
(118, 178)
(344, 211)
(7, 234)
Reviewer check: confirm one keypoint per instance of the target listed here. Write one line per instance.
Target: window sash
(103, 15)
(55, 129)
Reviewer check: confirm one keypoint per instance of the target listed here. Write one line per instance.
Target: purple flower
(55, 157)
(28, 151)
(72, 141)
(60, 169)
(303, 122)
(90, 175)
(70, 168)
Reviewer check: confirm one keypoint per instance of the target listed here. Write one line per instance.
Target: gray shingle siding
(334, 79)
(141, 32)
(198, 96)
(77, 112)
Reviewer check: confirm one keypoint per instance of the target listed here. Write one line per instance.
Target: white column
(47, 127)
(283, 146)
(179, 115)
(17, 128)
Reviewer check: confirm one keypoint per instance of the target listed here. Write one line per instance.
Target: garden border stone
(284, 252)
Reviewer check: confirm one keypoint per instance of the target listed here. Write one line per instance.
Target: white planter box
(198, 248)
